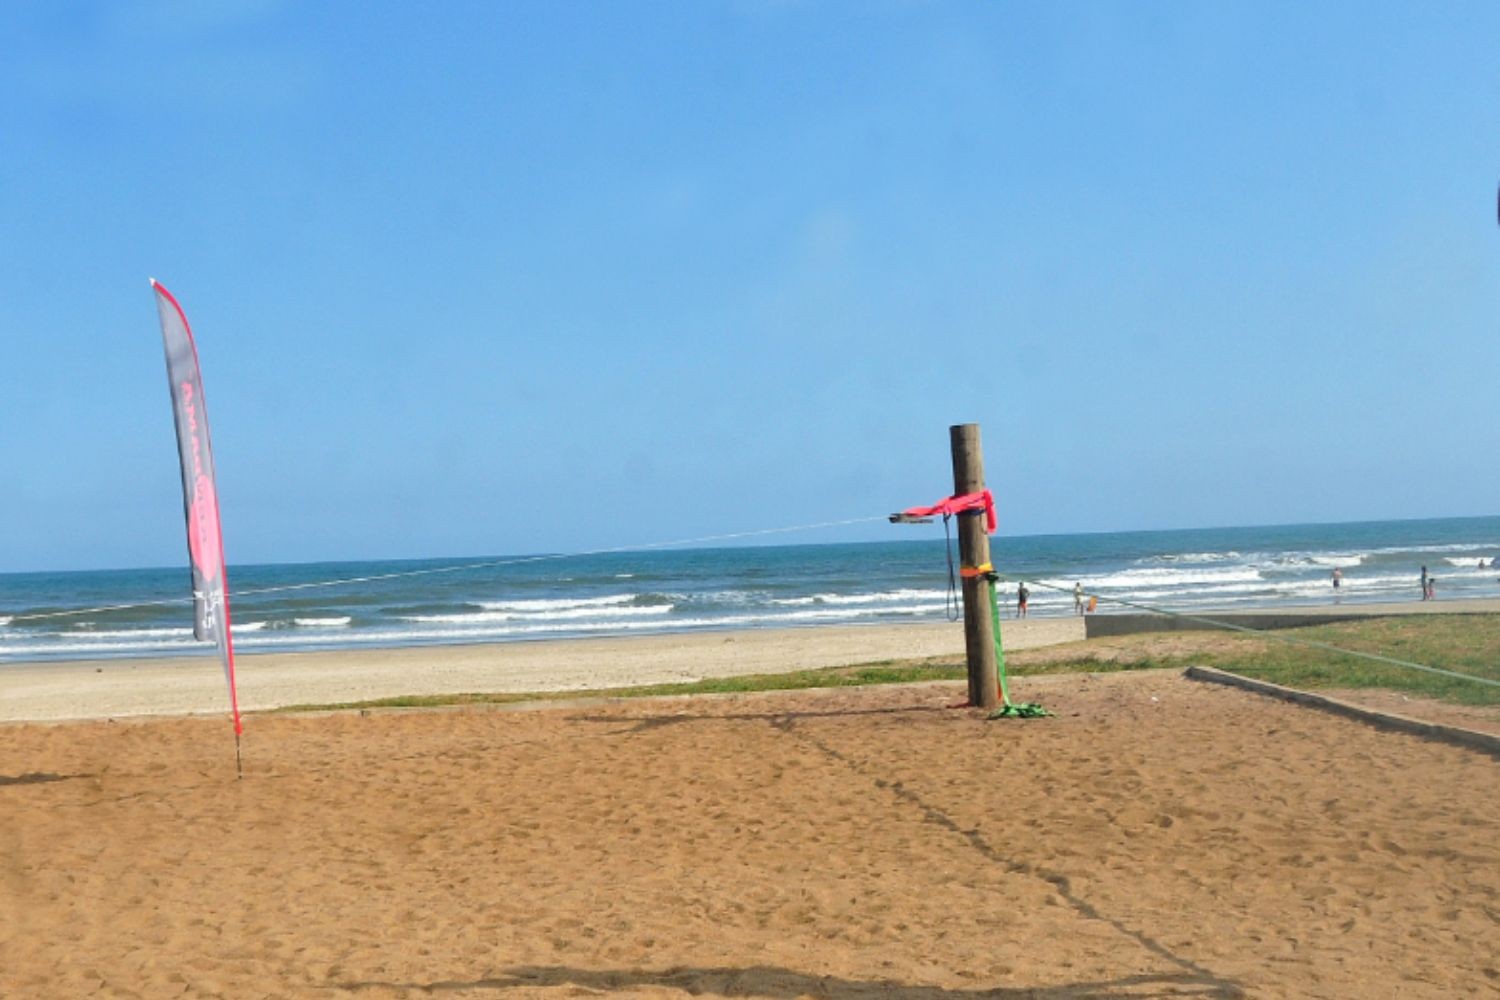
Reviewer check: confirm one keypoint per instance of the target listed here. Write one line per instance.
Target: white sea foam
(543, 605)
(1295, 590)
(847, 600)
(1192, 557)
(473, 629)
(1337, 560)
(1136, 579)
(62, 650)
(1418, 552)
(108, 643)
(1302, 560)
(141, 634)
(596, 617)
(1455, 547)
(1250, 589)
(1392, 581)
(735, 597)
(335, 622)
(557, 614)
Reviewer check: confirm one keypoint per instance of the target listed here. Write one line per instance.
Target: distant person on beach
(1431, 588)
(1022, 595)
(1426, 590)
(1078, 598)
(1338, 578)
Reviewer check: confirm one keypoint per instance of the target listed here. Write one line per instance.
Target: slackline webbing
(1007, 710)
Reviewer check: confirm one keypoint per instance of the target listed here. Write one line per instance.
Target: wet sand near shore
(1158, 837)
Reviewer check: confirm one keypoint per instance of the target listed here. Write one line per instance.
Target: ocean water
(132, 613)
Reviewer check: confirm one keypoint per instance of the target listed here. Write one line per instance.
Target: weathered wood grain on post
(974, 550)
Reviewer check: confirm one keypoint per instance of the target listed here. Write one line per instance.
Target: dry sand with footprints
(1159, 837)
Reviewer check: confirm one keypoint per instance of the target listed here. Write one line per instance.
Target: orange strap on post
(969, 572)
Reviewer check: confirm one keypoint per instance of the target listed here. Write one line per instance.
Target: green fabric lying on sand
(1008, 710)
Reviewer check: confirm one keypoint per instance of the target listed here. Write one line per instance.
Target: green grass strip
(1465, 644)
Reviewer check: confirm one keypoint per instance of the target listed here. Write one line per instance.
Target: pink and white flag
(200, 497)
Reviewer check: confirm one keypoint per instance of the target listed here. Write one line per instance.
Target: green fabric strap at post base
(1009, 710)
(1025, 710)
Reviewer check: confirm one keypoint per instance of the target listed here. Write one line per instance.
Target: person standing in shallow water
(1426, 590)
(1022, 596)
(1338, 578)
(1078, 598)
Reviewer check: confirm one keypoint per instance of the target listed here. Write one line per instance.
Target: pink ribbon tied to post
(983, 500)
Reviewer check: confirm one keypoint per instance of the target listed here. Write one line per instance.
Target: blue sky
(486, 278)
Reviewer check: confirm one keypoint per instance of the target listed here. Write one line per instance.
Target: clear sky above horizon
(488, 278)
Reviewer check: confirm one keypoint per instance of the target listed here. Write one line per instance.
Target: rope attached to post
(953, 604)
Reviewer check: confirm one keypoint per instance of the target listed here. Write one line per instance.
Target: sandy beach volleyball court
(1159, 837)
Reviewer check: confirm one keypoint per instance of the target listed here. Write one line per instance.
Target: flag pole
(200, 496)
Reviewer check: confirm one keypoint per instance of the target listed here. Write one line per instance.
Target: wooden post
(974, 550)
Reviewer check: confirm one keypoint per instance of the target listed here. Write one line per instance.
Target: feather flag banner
(200, 497)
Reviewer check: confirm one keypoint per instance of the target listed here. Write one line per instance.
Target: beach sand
(1159, 837)
(185, 686)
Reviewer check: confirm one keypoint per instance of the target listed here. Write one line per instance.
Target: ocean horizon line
(334, 604)
(689, 546)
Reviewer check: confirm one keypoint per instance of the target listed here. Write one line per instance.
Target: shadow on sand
(650, 722)
(786, 984)
(36, 778)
